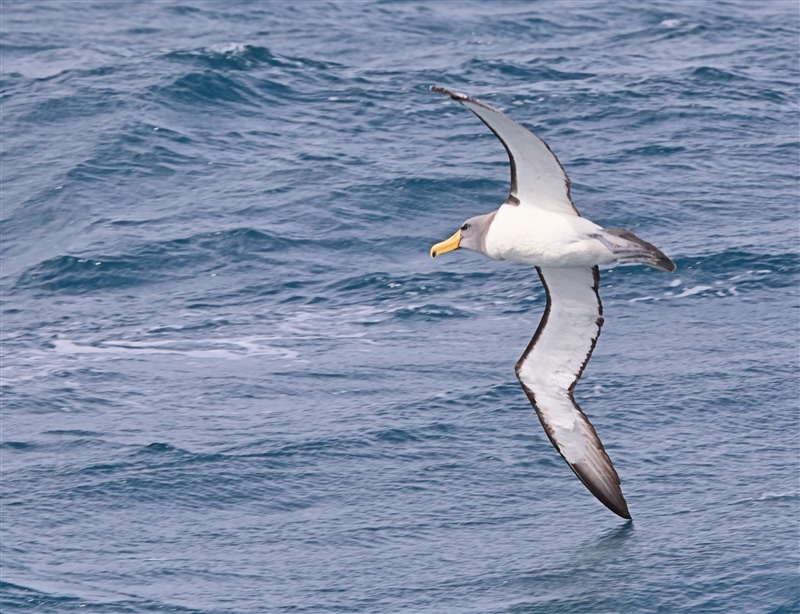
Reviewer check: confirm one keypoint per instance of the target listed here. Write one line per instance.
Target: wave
(227, 349)
(243, 57)
(59, 594)
(532, 71)
(153, 263)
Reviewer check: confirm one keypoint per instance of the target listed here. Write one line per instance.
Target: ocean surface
(234, 381)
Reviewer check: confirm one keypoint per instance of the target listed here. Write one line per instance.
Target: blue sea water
(233, 380)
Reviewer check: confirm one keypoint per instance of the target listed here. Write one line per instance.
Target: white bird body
(545, 238)
(538, 225)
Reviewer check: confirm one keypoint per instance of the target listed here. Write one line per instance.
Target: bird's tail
(632, 249)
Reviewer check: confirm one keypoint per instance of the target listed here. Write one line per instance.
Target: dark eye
(465, 227)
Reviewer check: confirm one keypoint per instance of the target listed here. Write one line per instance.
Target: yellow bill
(447, 246)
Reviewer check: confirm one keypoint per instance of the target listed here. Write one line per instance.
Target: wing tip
(461, 97)
(608, 492)
(666, 265)
(454, 95)
(621, 511)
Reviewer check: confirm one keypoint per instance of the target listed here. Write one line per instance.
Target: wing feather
(551, 367)
(537, 177)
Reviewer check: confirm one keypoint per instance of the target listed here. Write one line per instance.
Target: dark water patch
(8, 83)
(160, 448)
(18, 446)
(157, 162)
(76, 445)
(153, 263)
(28, 47)
(182, 10)
(143, 30)
(17, 597)
(142, 134)
(276, 93)
(72, 275)
(207, 89)
(79, 74)
(164, 454)
(395, 436)
(246, 57)
(531, 72)
(706, 74)
(138, 152)
(64, 109)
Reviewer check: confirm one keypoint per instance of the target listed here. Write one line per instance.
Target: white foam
(227, 349)
(766, 496)
(745, 274)
(670, 295)
(231, 48)
(693, 290)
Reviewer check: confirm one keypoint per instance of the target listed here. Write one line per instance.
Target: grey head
(471, 235)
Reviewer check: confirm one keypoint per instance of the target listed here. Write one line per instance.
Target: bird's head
(471, 235)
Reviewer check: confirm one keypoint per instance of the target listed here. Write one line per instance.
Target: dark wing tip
(652, 257)
(666, 264)
(659, 260)
(454, 95)
(603, 486)
(464, 98)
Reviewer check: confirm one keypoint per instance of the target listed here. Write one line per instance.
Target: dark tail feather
(636, 250)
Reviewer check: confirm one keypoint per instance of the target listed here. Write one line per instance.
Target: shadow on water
(574, 583)
(603, 549)
(614, 538)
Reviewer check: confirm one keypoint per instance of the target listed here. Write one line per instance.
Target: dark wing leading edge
(552, 365)
(537, 177)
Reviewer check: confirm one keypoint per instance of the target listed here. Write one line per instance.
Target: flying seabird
(538, 225)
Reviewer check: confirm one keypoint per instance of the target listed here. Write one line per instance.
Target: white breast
(544, 238)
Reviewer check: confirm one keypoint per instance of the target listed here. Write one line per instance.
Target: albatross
(538, 225)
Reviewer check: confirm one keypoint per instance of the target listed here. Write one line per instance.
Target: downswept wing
(537, 177)
(552, 365)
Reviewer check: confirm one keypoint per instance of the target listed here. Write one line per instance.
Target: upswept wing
(552, 365)
(537, 177)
